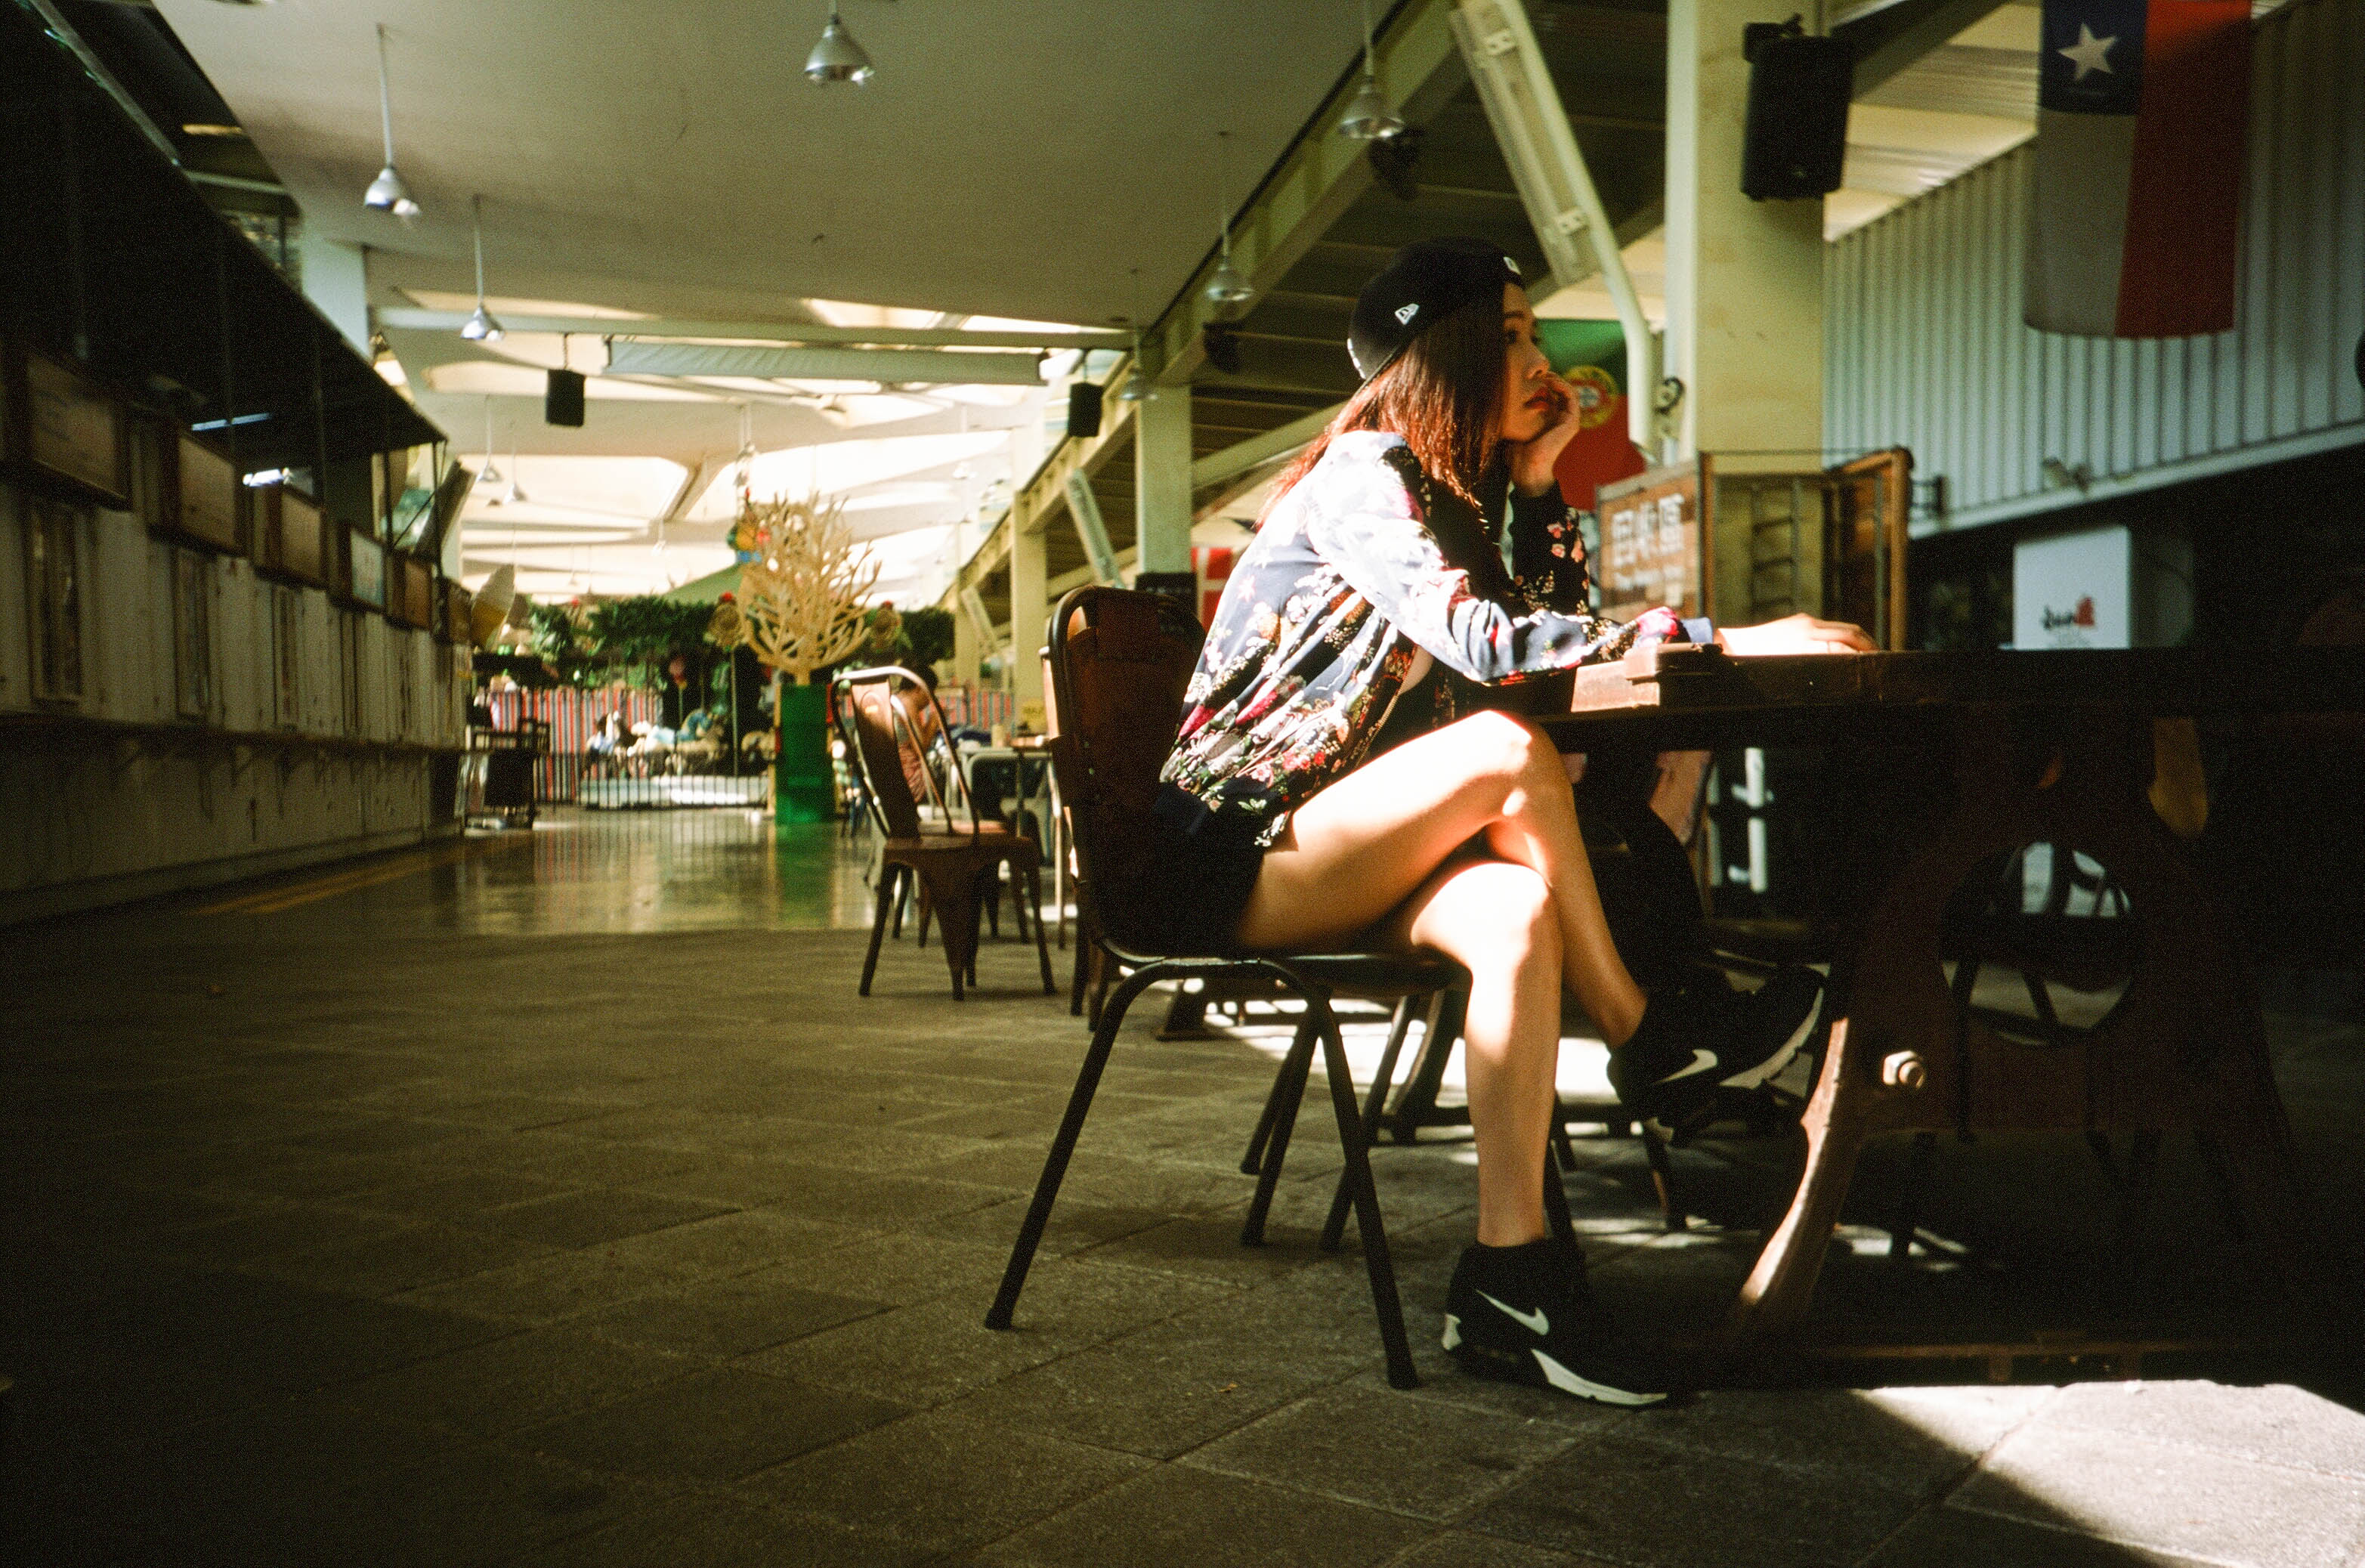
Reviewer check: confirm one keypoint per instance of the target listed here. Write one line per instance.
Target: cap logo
(1514, 266)
(1407, 312)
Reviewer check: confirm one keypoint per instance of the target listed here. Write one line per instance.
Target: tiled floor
(558, 1202)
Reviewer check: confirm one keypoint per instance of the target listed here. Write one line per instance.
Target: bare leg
(1365, 844)
(1499, 919)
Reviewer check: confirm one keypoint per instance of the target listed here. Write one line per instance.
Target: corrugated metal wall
(1923, 345)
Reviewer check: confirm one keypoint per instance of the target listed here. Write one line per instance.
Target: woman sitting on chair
(1337, 779)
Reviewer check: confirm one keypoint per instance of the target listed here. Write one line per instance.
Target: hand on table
(1794, 635)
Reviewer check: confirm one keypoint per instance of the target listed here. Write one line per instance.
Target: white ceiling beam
(669, 328)
(636, 357)
(1260, 450)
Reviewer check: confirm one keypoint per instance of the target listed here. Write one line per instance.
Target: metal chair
(1119, 663)
(957, 866)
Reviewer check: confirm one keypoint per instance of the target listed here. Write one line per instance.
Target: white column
(1161, 470)
(1744, 281)
(1030, 607)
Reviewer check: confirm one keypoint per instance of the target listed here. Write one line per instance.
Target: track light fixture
(1226, 288)
(481, 326)
(835, 57)
(1370, 116)
(388, 193)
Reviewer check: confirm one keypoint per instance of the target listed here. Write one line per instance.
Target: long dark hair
(1440, 395)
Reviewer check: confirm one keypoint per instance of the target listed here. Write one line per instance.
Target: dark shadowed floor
(554, 1200)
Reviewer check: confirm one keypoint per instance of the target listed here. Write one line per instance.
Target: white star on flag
(2089, 52)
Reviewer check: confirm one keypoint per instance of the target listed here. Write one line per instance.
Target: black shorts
(1193, 886)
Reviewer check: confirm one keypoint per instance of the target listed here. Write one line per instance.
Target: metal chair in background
(958, 866)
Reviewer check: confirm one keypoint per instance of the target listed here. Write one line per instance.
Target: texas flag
(2142, 107)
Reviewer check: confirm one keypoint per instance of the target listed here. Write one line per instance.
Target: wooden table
(2041, 748)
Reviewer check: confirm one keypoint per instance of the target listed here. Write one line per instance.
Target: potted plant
(800, 607)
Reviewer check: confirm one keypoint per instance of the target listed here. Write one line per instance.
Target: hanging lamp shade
(1370, 116)
(836, 56)
(1227, 286)
(1135, 389)
(388, 193)
(482, 327)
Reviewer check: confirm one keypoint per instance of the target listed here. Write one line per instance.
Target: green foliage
(928, 634)
(624, 639)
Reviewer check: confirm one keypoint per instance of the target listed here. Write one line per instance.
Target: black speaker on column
(1795, 136)
(1083, 409)
(562, 399)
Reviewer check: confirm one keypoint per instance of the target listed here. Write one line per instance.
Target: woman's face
(1528, 404)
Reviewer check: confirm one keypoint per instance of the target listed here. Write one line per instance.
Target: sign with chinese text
(1653, 541)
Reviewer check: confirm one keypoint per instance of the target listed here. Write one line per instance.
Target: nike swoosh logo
(1533, 1322)
(1701, 1062)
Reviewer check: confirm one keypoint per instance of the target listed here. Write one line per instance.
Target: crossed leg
(1466, 840)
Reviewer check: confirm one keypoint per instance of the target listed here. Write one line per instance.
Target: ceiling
(669, 161)
(673, 148)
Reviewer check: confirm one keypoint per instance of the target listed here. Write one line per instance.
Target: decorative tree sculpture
(800, 607)
(800, 599)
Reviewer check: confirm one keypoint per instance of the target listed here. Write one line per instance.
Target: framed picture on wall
(54, 533)
(193, 636)
(367, 583)
(73, 430)
(300, 536)
(287, 657)
(211, 498)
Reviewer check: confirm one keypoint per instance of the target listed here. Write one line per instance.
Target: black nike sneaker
(1699, 1038)
(1524, 1315)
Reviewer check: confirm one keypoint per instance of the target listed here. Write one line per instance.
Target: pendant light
(1136, 386)
(516, 473)
(481, 326)
(836, 57)
(388, 193)
(1370, 116)
(1226, 288)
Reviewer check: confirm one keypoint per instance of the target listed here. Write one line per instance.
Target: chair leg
(927, 896)
(1063, 1146)
(1334, 1229)
(1104, 971)
(1288, 1089)
(903, 907)
(890, 880)
(1252, 1160)
(1908, 1217)
(1557, 1219)
(1352, 1146)
(1662, 1180)
(1561, 1147)
(1042, 948)
(949, 899)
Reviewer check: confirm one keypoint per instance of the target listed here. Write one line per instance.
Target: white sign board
(2074, 590)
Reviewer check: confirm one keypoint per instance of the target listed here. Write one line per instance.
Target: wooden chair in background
(958, 867)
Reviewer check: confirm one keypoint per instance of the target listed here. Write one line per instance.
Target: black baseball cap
(1423, 284)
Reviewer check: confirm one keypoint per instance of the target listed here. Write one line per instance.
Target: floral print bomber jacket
(1370, 606)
